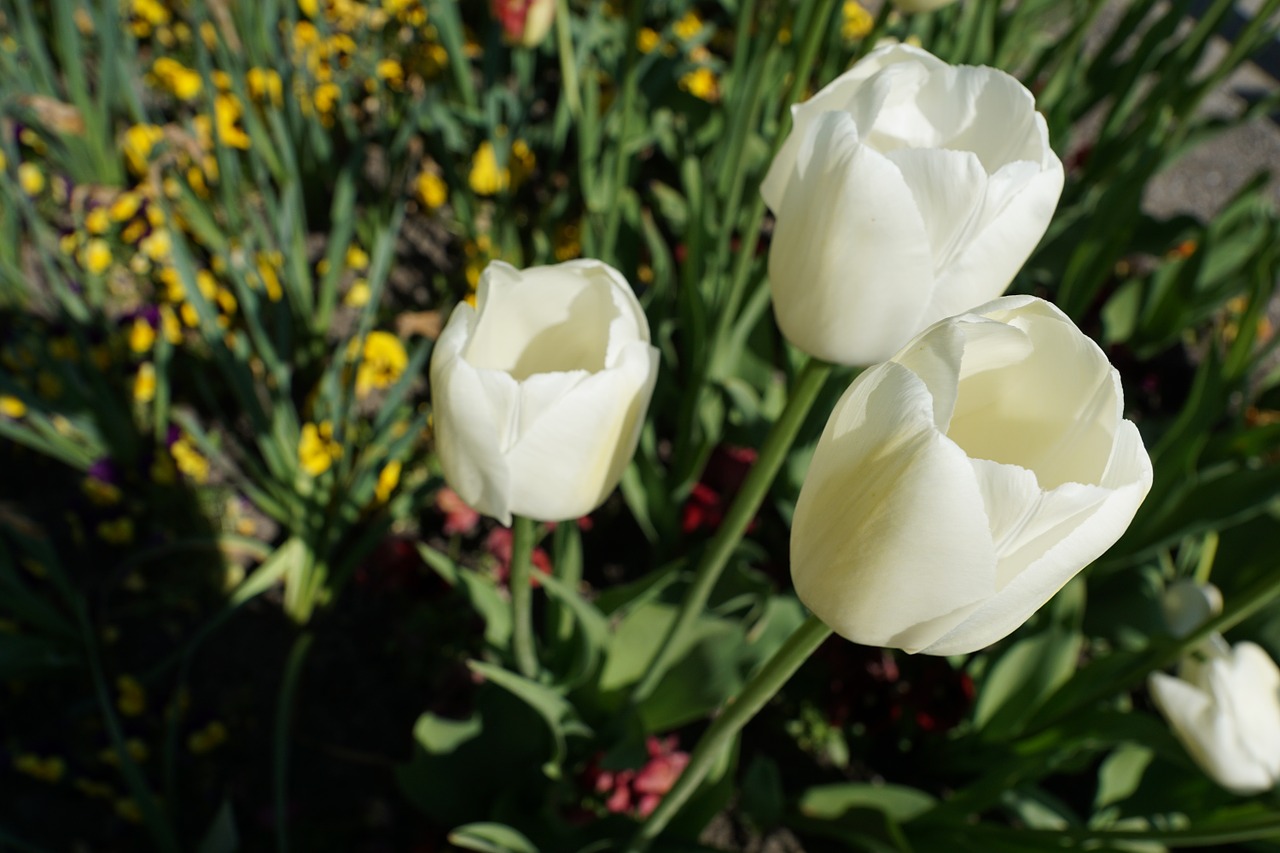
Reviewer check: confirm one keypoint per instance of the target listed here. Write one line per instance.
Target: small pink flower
(459, 519)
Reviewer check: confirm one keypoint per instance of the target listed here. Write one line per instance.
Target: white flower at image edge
(908, 190)
(539, 391)
(1225, 709)
(961, 484)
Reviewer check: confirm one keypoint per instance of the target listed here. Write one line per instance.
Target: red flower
(459, 518)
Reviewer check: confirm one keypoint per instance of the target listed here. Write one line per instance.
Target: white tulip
(1187, 605)
(908, 190)
(1225, 708)
(539, 391)
(961, 484)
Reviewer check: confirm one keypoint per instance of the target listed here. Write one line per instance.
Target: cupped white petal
(569, 455)
(474, 413)
(837, 96)
(889, 543)
(849, 267)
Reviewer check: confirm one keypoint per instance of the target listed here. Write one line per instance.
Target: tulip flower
(959, 485)
(540, 390)
(1225, 709)
(1187, 605)
(524, 22)
(909, 190)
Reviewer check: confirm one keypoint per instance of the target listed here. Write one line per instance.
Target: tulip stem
(520, 583)
(754, 489)
(766, 682)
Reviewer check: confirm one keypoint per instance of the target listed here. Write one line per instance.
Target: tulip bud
(524, 22)
(539, 391)
(1225, 709)
(961, 484)
(908, 190)
(1187, 605)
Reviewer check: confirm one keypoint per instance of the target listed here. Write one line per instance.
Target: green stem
(522, 597)
(284, 718)
(630, 83)
(568, 63)
(767, 681)
(754, 489)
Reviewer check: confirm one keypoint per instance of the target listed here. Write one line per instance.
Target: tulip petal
(1019, 205)
(912, 519)
(837, 96)
(475, 413)
(847, 219)
(568, 458)
(1203, 718)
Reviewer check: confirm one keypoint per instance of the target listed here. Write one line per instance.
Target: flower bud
(539, 391)
(524, 22)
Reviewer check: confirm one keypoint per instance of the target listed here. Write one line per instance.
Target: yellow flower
(268, 262)
(384, 359)
(391, 71)
(317, 450)
(227, 110)
(265, 85)
(688, 26)
(100, 492)
(357, 258)
(30, 178)
(431, 190)
(327, 96)
(97, 221)
(486, 178)
(141, 336)
(138, 751)
(170, 326)
(189, 460)
(12, 407)
(567, 243)
(358, 295)
(647, 39)
(144, 384)
(96, 257)
(137, 145)
(857, 21)
(48, 769)
(183, 82)
(153, 12)
(118, 532)
(131, 698)
(701, 83)
(522, 162)
(388, 479)
(207, 739)
(308, 7)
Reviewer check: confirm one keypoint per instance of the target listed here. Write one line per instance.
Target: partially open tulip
(961, 484)
(1187, 605)
(1225, 708)
(524, 22)
(540, 390)
(908, 190)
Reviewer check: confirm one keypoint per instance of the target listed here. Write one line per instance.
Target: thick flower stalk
(961, 484)
(539, 391)
(1224, 707)
(908, 190)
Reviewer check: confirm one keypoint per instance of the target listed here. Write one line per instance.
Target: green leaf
(558, 713)
(1120, 774)
(762, 794)
(830, 802)
(592, 629)
(491, 838)
(221, 836)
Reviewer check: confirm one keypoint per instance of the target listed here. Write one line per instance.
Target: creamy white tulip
(1187, 605)
(1225, 709)
(539, 392)
(908, 190)
(961, 484)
